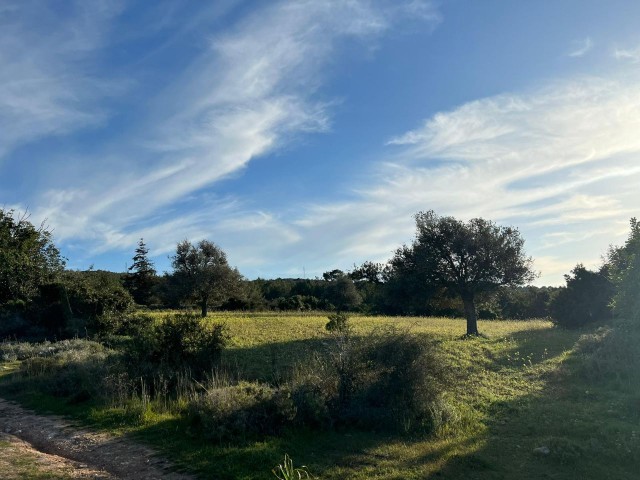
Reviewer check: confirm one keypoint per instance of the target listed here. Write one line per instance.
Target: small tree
(465, 258)
(28, 257)
(344, 294)
(142, 275)
(203, 273)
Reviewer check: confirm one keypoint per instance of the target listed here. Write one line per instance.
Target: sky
(302, 136)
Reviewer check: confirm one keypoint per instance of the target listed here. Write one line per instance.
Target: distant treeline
(474, 270)
(363, 296)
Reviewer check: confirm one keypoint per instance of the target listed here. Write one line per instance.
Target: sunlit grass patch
(519, 387)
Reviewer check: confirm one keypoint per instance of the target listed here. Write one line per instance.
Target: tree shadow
(579, 424)
(272, 362)
(569, 428)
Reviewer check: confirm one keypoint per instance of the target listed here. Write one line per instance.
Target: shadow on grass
(580, 423)
(273, 362)
(572, 428)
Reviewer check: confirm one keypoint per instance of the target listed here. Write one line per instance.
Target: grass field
(524, 408)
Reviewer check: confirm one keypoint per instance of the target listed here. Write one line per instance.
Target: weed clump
(241, 410)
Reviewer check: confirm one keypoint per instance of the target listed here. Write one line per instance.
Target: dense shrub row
(386, 380)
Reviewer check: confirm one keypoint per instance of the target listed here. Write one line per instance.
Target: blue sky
(302, 136)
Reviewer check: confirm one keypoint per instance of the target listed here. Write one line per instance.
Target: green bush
(611, 355)
(388, 379)
(24, 350)
(96, 300)
(74, 370)
(623, 266)
(338, 322)
(242, 410)
(182, 342)
(585, 299)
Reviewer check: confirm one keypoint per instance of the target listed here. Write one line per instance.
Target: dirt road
(65, 451)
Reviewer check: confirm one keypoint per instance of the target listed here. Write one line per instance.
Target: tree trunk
(470, 314)
(203, 306)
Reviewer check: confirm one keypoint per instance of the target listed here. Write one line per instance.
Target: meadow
(525, 400)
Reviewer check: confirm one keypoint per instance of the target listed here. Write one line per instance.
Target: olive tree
(466, 259)
(203, 274)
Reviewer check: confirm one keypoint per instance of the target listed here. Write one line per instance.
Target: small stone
(544, 450)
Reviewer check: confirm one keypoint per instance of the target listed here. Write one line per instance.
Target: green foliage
(28, 257)
(387, 379)
(203, 274)
(286, 470)
(11, 351)
(74, 369)
(180, 342)
(141, 279)
(232, 412)
(343, 294)
(96, 300)
(333, 275)
(585, 299)
(368, 272)
(623, 265)
(611, 355)
(525, 302)
(466, 259)
(338, 323)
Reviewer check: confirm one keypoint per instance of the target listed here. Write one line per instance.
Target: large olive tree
(465, 258)
(203, 274)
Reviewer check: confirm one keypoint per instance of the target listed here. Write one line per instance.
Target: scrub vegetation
(347, 394)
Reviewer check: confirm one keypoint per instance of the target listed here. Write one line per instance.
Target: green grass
(519, 388)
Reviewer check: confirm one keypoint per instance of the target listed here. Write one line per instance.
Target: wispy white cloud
(580, 48)
(254, 88)
(558, 162)
(631, 55)
(46, 87)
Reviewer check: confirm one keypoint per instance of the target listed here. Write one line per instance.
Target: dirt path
(59, 446)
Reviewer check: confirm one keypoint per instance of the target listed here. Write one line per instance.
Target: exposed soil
(60, 447)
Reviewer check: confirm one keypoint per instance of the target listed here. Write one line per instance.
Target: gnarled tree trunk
(470, 313)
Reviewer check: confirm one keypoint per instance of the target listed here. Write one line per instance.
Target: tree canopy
(623, 268)
(28, 257)
(204, 274)
(464, 258)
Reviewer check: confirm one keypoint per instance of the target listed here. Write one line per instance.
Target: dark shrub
(388, 379)
(623, 268)
(585, 299)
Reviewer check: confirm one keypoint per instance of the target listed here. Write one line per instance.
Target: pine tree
(142, 275)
